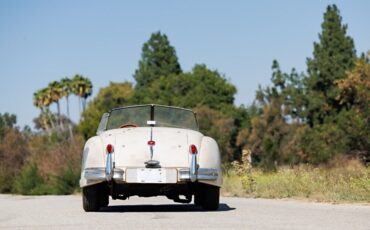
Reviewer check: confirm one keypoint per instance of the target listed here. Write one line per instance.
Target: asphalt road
(65, 212)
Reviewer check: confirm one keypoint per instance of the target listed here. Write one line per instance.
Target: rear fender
(93, 157)
(93, 154)
(209, 157)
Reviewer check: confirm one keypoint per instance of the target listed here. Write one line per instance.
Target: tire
(198, 199)
(210, 197)
(103, 195)
(90, 199)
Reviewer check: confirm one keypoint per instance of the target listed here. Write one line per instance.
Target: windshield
(164, 116)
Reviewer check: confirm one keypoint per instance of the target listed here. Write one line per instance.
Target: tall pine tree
(332, 57)
(158, 59)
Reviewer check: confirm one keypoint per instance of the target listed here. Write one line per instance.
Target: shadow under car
(163, 208)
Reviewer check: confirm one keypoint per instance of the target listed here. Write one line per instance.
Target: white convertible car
(150, 150)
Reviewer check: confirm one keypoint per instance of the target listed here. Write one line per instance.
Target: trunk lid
(171, 147)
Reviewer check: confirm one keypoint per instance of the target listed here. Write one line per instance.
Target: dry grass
(342, 183)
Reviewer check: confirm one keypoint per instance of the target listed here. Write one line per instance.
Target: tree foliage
(218, 125)
(29, 182)
(7, 121)
(13, 152)
(81, 87)
(53, 93)
(354, 90)
(35, 163)
(332, 57)
(201, 86)
(159, 80)
(158, 59)
(112, 96)
(319, 116)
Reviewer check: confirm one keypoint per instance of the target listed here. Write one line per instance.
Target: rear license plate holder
(151, 175)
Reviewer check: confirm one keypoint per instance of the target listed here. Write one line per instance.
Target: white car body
(156, 158)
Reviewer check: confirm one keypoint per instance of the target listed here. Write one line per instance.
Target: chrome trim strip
(203, 174)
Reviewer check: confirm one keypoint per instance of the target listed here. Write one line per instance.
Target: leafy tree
(158, 59)
(337, 95)
(115, 95)
(199, 87)
(333, 105)
(211, 88)
(159, 79)
(274, 134)
(286, 88)
(354, 95)
(6, 121)
(347, 131)
(267, 135)
(324, 142)
(209, 92)
(13, 152)
(332, 57)
(245, 124)
(354, 90)
(219, 126)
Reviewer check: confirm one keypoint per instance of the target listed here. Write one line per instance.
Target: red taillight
(110, 148)
(193, 149)
(151, 142)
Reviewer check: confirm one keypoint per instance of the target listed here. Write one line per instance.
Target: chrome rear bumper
(92, 176)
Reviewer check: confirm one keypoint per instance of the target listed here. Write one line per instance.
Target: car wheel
(211, 197)
(103, 195)
(90, 198)
(198, 198)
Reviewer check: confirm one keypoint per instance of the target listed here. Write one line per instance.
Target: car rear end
(151, 161)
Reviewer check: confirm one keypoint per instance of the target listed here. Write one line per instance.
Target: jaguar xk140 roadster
(150, 150)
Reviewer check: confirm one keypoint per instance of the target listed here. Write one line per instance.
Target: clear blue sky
(42, 41)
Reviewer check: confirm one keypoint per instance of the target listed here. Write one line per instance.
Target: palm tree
(37, 99)
(67, 90)
(87, 93)
(38, 102)
(42, 100)
(56, 93)
(82, 87)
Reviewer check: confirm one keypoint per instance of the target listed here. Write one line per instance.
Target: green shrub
(6, 181)
(323, 142)
(68, 180)
(29, 182)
